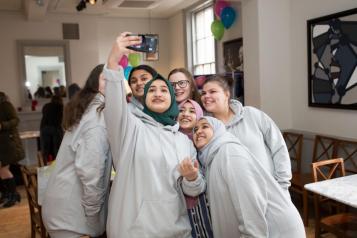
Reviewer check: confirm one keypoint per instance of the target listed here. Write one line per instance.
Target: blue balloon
(127, 71)
(228, 15)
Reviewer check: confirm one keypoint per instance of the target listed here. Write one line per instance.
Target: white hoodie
(146, 198)
(258, 132)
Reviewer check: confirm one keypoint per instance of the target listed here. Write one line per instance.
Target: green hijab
(169, 116)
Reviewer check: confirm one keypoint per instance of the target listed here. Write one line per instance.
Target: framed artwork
(233, 55)
(153, 56)
(332, 60)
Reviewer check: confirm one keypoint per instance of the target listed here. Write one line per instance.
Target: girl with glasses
(184, 85)
(155, 162)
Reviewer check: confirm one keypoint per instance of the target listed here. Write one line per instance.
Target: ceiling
(38, 9)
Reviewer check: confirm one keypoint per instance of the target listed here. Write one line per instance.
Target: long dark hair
(3, 97)
(145, 67)
(195, 94)
(76, 107)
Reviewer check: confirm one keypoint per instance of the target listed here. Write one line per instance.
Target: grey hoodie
(146, 198)
(78, 189)
(245, 200)
(258, 132)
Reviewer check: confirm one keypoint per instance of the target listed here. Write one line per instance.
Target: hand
(188, 169)
(119, 48)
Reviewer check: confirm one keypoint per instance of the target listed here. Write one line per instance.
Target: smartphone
(148, 43)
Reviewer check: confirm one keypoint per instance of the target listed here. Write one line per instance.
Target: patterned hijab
(169, 116)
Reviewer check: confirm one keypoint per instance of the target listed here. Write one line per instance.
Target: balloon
(127, 71)
(228, 16)
(134, 59)
(219, 6)
(217, 29)
(124, 61)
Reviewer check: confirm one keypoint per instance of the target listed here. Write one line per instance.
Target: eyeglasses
(181, 83)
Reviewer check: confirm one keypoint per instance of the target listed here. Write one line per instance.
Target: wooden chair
(347, 150)
(30, 181)
(40, 160)
(341, 224)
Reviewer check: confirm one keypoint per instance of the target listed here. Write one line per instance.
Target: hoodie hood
(238, 110)
(87, 121)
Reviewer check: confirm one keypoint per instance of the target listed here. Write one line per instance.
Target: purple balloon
(124, 61)
(219, 6)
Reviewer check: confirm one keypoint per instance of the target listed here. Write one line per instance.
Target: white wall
(319, 120)
(177, 37)
(267, 58)
(96, 37)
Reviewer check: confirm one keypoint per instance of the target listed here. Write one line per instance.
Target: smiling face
(182, 86)
(138, 80)
(202, 133)
(187, 117)
(158, 98)
(214, 98)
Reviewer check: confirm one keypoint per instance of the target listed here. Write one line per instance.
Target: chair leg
(305, 208)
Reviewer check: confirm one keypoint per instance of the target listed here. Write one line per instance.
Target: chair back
(40, 161)
(325, 148)
(348, 151)
(327, 169)
(30, 181)
(294, 143)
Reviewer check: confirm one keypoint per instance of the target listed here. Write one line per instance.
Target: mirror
(44, 68)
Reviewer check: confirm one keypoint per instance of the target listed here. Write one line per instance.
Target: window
(203, 47)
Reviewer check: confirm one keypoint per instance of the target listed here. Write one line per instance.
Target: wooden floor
(15, 221)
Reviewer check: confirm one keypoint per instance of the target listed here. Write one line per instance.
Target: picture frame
(153, 56)
(332, 60)
(233, 55)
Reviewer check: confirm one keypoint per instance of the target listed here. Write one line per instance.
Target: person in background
(245, 200)
(184, 85)
(138, 77)
(255, 129)
(75, 201)
(51, 131)
(40, 93)
(197, 207)
(56, 91)
(48, 92)
(62, 91)
(155, 162)
(72, 90)
(11, 151)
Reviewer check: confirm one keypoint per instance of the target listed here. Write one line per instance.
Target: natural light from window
(203, 42)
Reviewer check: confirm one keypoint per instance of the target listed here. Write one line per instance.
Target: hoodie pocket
(161, 219)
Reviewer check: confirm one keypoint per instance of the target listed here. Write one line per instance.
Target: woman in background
(255, 129)
(75, 202)
(184, 85)
(138, 77)
(150, 155)
(11, 151)
(245, 200)
(51, 131)
(197, 207)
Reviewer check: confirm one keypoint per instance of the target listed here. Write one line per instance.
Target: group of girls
(235, 186)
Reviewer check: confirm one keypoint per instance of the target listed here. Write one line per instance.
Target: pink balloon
(219, 6)
(124, 61)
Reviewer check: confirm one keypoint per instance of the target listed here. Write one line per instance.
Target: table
(341, 189)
